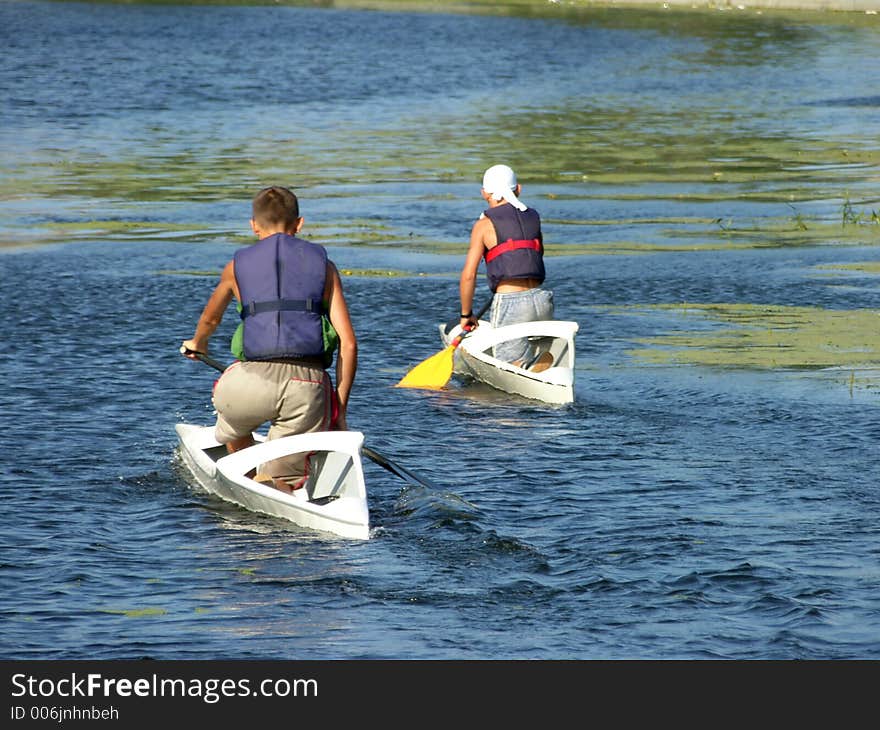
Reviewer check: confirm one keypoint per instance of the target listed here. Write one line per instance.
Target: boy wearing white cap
(508, 236)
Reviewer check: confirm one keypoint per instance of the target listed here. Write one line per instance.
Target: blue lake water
(671, 512)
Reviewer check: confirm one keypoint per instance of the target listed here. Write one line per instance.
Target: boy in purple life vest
(286, 289)
(508, 236)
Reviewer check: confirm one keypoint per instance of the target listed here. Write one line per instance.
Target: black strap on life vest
(278, 305)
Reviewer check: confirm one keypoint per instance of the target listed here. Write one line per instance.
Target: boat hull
(473, 357)
(334, 498)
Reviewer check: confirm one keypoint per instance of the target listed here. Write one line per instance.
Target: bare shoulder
(332, 271)
(483, 232)
(228, 274)
(332, 281)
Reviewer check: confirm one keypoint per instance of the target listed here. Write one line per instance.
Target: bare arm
(468, 281)
(346, 360)
(214, 310)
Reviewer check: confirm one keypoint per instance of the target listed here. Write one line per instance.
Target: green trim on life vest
(331, 339)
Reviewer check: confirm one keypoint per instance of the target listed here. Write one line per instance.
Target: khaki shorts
(293, 398)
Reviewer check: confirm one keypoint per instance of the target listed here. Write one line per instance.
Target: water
(674, 511)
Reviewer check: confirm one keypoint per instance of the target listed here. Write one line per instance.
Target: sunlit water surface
(670, 512)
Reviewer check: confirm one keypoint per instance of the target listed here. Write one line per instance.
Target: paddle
(371, 454)
(395, 469)
(435, 372)
(205, 358)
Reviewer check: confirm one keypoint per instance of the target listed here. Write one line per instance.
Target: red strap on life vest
(512, 245)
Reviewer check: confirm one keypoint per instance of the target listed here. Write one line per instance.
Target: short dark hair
(276, 206)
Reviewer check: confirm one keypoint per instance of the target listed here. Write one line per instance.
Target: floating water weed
(766, 336)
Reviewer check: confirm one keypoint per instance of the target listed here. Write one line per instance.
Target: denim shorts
(530, 305)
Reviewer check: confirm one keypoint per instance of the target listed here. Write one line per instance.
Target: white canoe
(334, 499)
(473, 357)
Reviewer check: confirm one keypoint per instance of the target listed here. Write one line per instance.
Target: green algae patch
(115, 226)
(185, 272)
(362, 273)
(376, 273)
(122, 230)
(357, 232)
(765, 336)
(135, 612)
(714, 149)
(863, 267)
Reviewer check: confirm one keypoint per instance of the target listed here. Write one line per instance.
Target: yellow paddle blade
(434, 372)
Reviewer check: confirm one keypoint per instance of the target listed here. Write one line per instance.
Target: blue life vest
(519, 253)
(281, 282)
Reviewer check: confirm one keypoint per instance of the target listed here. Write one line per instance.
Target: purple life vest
(519, 253)
(281, 282)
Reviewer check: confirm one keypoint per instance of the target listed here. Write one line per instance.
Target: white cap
(499, 181)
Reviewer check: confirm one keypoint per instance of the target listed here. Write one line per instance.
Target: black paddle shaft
(452, 323)
(395, 469)
(484, 308)
(204, 357)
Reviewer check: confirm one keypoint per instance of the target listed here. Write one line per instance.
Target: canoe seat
(541, 363)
